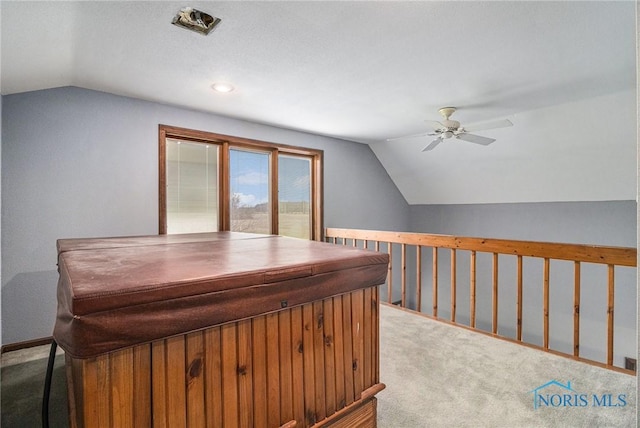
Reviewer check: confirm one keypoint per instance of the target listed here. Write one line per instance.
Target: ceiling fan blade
(424, 134)
(435, 124)
(433, 144)
(476, 139)
(488, 125)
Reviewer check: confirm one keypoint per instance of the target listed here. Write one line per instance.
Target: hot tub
(219, 329)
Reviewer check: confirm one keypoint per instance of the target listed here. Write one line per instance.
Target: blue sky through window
(249, 177)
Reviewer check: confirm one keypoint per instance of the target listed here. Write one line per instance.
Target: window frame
(225, 144)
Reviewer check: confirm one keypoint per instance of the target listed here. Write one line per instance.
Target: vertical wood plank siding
(463, 247)
(299, 367)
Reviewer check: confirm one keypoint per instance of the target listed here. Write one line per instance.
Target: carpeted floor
(436, 376)
(22, 388)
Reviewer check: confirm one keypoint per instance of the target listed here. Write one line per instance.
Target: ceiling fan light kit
(449, 128)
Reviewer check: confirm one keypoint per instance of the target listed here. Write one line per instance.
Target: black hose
(47, 385)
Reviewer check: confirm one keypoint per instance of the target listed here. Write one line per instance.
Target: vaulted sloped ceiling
(563, 72)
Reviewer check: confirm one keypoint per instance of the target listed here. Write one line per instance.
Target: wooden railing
(611, 257)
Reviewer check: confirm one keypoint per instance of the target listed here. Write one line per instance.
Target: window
(210, 182)
(250, 199)
(294, 196)
(192, 186)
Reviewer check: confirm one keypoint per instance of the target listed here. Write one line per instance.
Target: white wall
(80, 163)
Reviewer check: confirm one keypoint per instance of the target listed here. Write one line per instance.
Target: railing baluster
(434, 281)
(610, 304)
(545, 305)
(548, 251)
(390, 273)
(472, 291)
(576, 309)
(403, 278)
(494, 324)
(453, 285)
(519, 301)
(419, 278)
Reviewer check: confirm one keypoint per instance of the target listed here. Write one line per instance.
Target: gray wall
(600, 223)
(80, 163)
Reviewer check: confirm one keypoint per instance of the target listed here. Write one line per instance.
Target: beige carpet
(438, 375)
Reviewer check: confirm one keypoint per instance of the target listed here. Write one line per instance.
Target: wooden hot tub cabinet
(219, 330)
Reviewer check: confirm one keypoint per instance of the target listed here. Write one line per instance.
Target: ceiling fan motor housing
(451, 126)
(447, 111)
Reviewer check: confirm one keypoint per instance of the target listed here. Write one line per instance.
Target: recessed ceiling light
(222, 87)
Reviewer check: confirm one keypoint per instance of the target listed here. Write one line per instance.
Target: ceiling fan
(451, 129)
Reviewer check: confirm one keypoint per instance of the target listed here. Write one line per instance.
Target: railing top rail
(621, 256)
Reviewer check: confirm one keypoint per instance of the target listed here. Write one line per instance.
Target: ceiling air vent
(195, 20)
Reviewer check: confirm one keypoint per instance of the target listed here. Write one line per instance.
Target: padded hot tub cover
(114, 293)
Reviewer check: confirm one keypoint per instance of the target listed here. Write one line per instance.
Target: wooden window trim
(226, 143)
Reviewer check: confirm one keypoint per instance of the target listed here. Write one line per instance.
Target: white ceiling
(360, 71)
